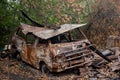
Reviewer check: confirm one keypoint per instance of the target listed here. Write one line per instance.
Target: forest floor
(11, 69)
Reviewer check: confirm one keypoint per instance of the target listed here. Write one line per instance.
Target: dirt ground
(11, 69)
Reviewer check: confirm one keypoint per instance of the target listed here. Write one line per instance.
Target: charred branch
(32, 21)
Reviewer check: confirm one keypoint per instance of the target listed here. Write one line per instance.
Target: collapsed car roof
(46, 33)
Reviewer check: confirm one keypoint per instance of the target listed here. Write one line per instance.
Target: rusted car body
(57, 50)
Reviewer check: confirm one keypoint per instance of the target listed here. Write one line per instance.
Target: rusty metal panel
(71, 55)
(30, 29)
(46, 33)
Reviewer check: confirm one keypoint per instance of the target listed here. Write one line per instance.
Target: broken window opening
(77, 35)
(30, 38)
(70, 36)
(21, 34)
(42, 41)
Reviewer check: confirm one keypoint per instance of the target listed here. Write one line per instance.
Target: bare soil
(11, 69)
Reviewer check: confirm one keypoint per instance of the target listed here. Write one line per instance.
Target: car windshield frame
(68, 37)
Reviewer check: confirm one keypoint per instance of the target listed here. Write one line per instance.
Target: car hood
(67, 47)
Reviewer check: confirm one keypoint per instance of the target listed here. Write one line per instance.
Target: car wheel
(44, 69)
(3, 55)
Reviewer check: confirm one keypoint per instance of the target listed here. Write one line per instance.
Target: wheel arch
(41, 63)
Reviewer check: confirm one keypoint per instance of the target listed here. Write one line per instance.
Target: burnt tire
(3, 55)
(44, 69)
(16, 55)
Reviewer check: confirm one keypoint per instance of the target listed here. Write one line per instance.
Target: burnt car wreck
(54, 50)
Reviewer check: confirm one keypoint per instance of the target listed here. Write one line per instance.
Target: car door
(29, 50)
